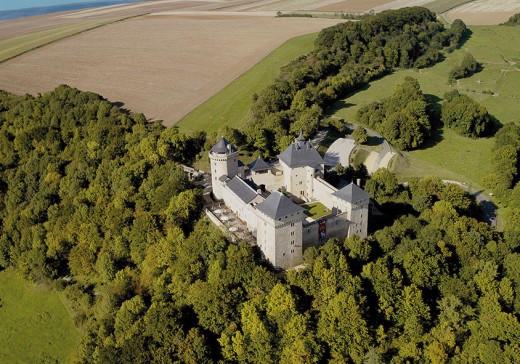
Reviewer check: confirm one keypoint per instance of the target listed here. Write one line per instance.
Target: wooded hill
(94, 193)
(345, 58)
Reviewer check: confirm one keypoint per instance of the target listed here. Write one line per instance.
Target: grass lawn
(497, 87)
(359, 155)
(12, 47)
(35, 325)
(231, 105)
(315, 210)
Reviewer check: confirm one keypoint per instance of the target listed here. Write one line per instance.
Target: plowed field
(485, 12)
(163, 66)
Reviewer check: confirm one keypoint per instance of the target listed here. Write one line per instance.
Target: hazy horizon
(6, 5)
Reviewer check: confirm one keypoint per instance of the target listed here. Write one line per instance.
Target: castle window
(292, 223)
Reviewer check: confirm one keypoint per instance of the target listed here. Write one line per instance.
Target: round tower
(224, 164)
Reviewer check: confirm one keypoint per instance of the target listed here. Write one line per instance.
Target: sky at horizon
(24, 4)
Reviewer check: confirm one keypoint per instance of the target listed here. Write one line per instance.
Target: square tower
(354, 201)
(279, 230)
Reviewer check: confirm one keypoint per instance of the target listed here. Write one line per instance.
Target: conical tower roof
(223, 147)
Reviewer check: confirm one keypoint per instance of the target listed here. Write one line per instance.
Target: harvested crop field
(354, 6)
(397, 4)
(485, 12)
(16, 27)
(163, 66)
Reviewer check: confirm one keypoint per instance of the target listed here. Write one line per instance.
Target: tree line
(505, 175)
(513, 21)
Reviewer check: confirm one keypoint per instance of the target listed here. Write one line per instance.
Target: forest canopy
(95, 193)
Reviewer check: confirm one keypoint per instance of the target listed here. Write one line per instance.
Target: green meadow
(12, 47)
(35, 325)
(497, 87)
(231, 105)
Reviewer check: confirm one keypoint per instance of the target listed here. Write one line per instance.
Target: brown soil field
(15, 27)
(354, 6)
(397, 4)
(485, 12)
(490, 18)
(163, 66)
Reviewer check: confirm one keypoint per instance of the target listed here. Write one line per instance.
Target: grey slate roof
(222, 147)
(277, 205)
(301, 153)
(351, 193)
(259, 165)
(241, 189)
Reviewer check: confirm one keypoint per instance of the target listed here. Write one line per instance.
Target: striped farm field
(484, 12)
(161, 65)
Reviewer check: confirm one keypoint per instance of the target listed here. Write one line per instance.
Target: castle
(276, 201)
